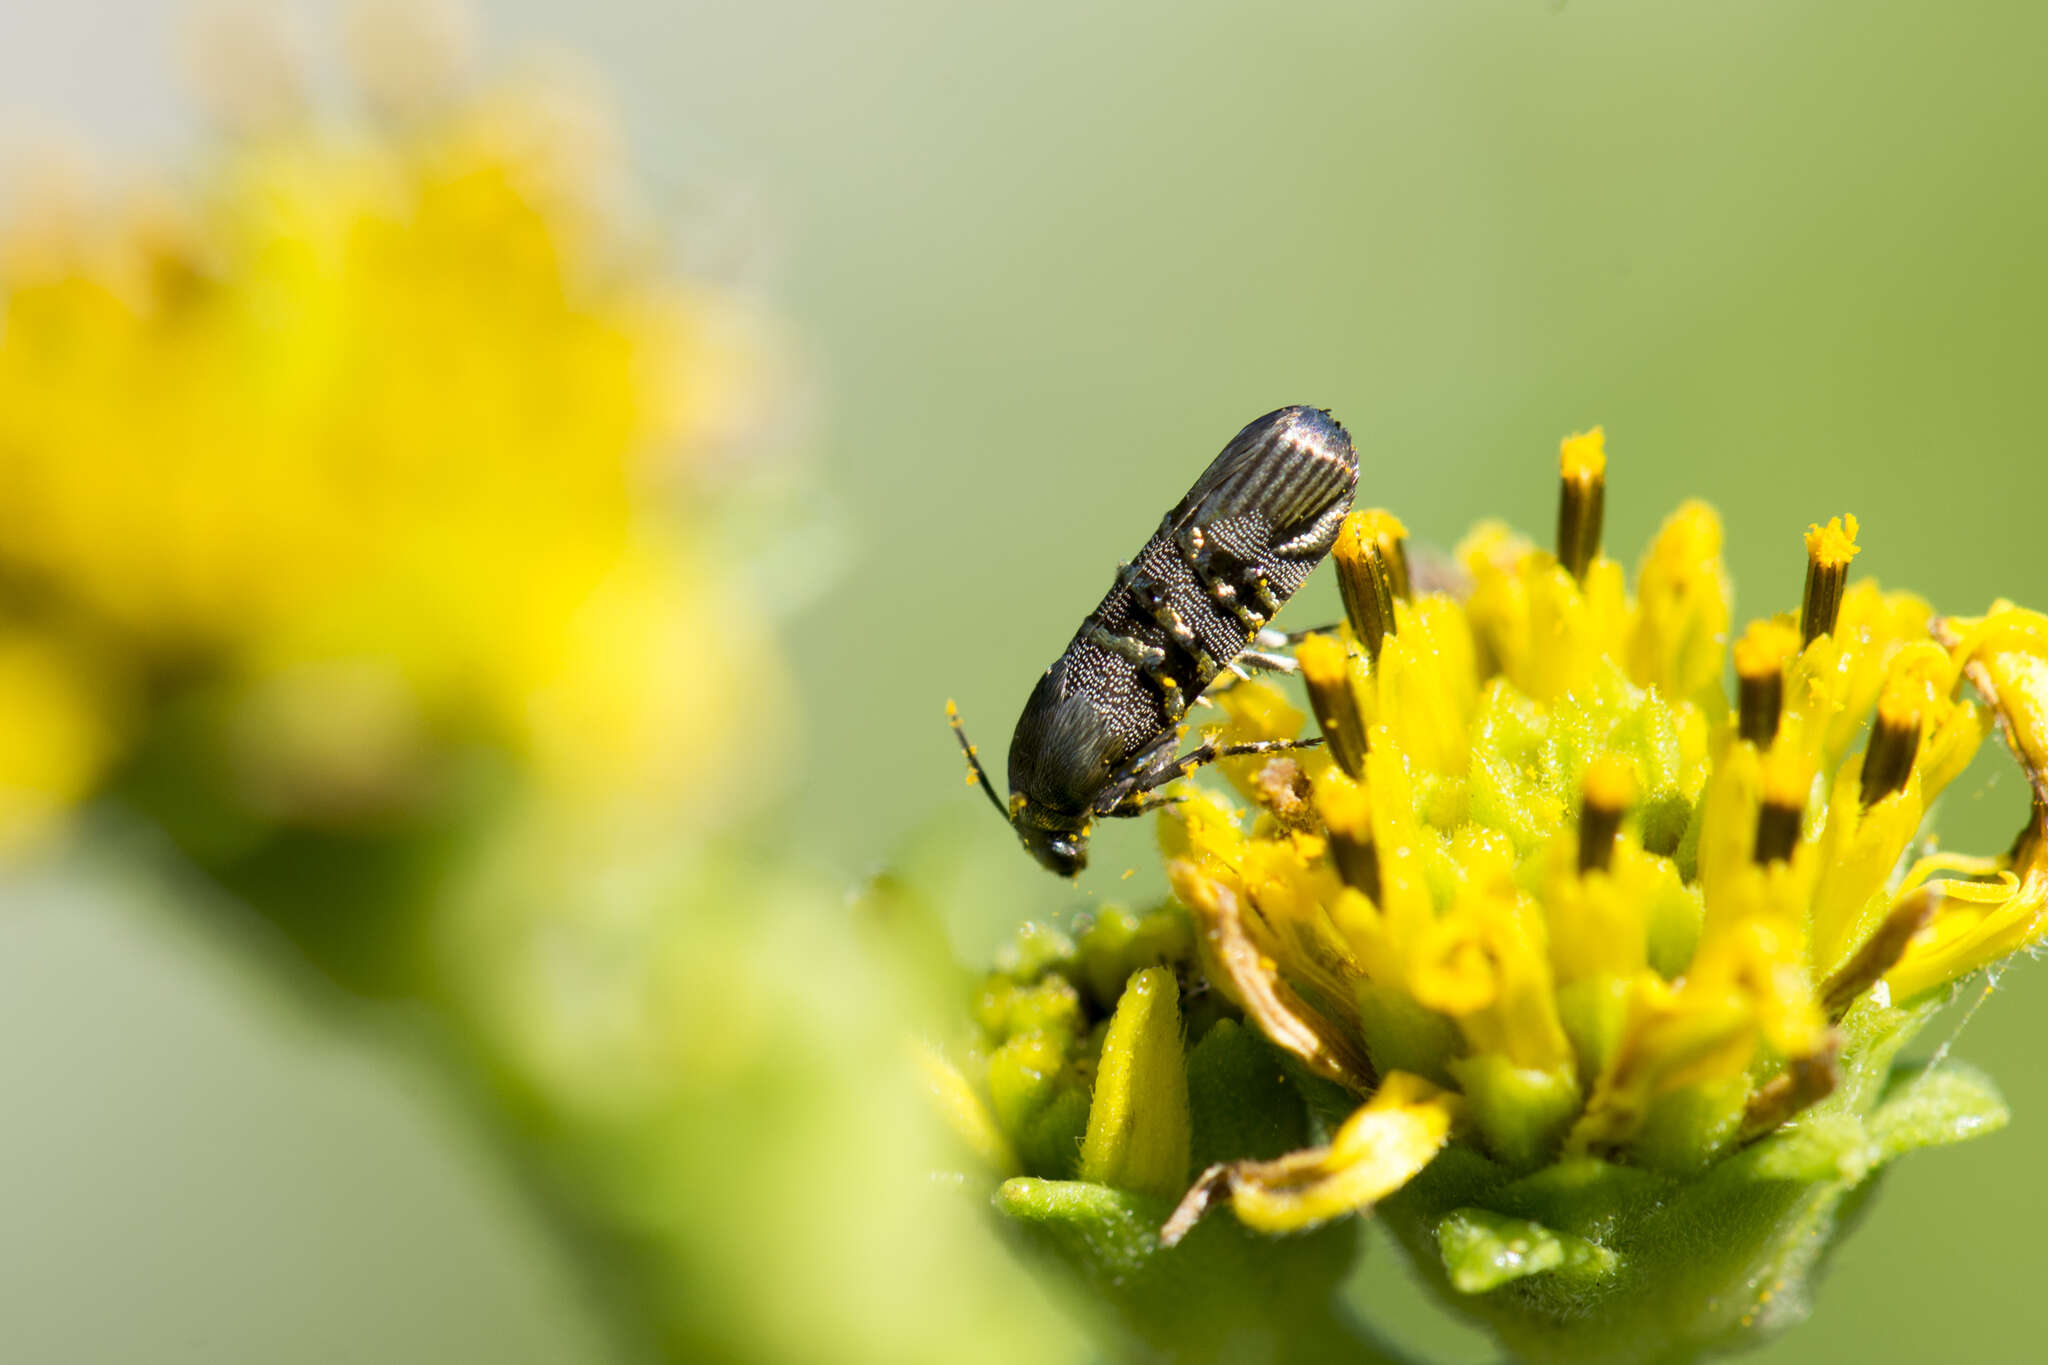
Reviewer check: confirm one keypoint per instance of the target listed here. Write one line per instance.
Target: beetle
(1098, 736)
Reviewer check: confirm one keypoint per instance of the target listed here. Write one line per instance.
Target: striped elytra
(1099, 733)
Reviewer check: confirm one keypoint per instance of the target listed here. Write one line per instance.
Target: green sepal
(1483, 1250)
(1674, 915)
(1664, 819)
(1594, 1012)
(1520, 1113)
(1240, 1102)
(1222, 1294)
(1686, 1129)
(1706, 1261)
(1138, 1130)
(1401, 1035)
(966, 1117)
(1040, 1101)
(1116, 943)
(1035, 949)
(1050, 1005)
(1932, 1107)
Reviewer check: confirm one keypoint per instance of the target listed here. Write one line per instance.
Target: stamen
(1804, 1082)
(2027, 845)
(1365, 577)
(1347, 816)
(1327, 670)
(1288, 1021)
(1894, 740)
(1610, 788)
(1778, 819)
(1582, 505)
(1829, 549)
(1381, 528)
(1760, 658)
(1880, 952)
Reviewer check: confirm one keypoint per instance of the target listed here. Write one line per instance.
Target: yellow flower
(1556, 893)
(390, 428)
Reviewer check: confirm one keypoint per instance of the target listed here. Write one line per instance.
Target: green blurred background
(1039, 262)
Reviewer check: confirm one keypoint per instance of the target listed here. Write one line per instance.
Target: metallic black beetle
(1101, 728)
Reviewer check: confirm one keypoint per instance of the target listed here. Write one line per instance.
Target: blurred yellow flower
(388, 430)
(54, 738)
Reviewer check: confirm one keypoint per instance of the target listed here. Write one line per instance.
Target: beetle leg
(1141, 802)
(1281, 639)
(1145, 774)
(1149, 595)
(1147, 657)
(1194, 548)
(1135, 775)
(1208, 751)
(1150, 660)
(1269, 604)
(1143, 587)
(1273, 663)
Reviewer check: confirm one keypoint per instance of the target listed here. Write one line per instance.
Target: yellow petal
(1682, 594)
(1379, 1149)
(1970, 932)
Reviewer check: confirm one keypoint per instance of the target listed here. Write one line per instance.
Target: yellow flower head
(1548, 880)
(378, 430)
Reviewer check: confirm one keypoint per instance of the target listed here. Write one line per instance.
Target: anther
(1783, 808)
(1804, 1082)
(1327, 670)
(1760, 658)
(1382, 529)
(2028, 847)
(1894, 739)
(1880, 952)
(1829, 549)
(1610, 789)
(1365, 577)
(1347, 816)
(1582, 502)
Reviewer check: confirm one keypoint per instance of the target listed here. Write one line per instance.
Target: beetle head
(1058, 845)
(1058, 842)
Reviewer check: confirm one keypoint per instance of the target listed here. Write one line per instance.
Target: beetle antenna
(980, 774)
